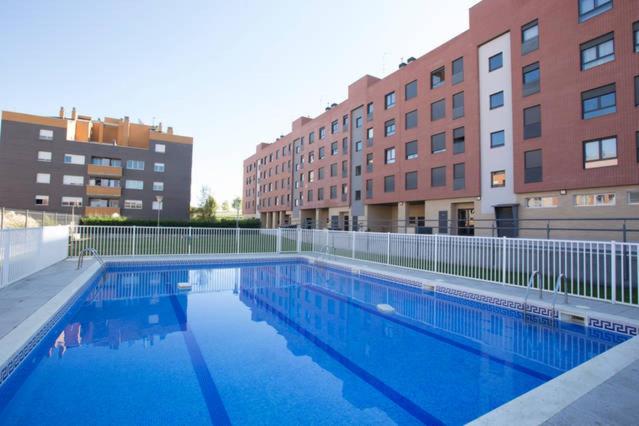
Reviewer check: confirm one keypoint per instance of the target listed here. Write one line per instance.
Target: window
(531, 77)
(73, 159)
(322, 133)
(344, 168)
(133, 204)
(542, 202)
(497, 100)
(495, 62)
(438, 110)
(134, 184)
(369, 162)
(41, 200)
(389, 156)
(459, 176)
(370, 111)
(389, 183)
(389, 100)
(135, 165)
(598, 102)
(321, 152)
(311, 176)
(358, 195)
(161, 148)
(334, 127)
(320, 194)
(358, 170)
(458, 70)
(533, 170)
(358, 122)
(44, 156)
(633, 197)
(635, 28)
(389, 128)
(411, 150)
(438, 143)
(459, 140)
(532, 122)
(591, 8)
(46, 135)
(411, 119)
(104, 161)
(458, 105)
(600, 153)
(43, 178)
(598, 51)
(334, 148)
(320, 173)
(345, 123)
(369, 136)
(497, 139)
(158, 186)
(438, 176)
(311, 137)
(309, 195)
(333, 169)
(358, 146)
(498, 179)
(369, 188)
(410, 90)
(595, 200)
(158, 167)
(73, 180)
(637, 90)
(529, 37)
(410, 180)
(333, 192)
(71, 202)
(437, 78)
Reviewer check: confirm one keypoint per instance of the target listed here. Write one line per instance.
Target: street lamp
(158, 200)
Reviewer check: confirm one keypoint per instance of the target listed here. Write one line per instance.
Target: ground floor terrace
(601, 214)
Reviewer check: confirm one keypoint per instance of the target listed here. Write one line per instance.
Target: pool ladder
(91, 251)
(558, 283)
(531, 281)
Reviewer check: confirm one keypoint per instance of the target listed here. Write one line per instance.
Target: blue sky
(229, 73)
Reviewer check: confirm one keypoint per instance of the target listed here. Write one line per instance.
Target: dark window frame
(600, 6)
(496, 95)
(533, 173)
(411, 180)
(531, 44)
(438, 140)
(600, 157)
(410, 90)
(438, 176)
(503, 133)
(411, 120)
(530, 87)
(599, 95)
(532, 130)
(390, 127)
(438, 107)
(459, 140)
(409, 152)
(389, 183)
(596, 43)
(459, 182)
(492, 181)
(440, 74)
(458, 111)
(390, 100)
(458, 77)
(496, 62)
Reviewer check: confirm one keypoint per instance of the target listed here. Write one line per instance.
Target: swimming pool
(284, 342)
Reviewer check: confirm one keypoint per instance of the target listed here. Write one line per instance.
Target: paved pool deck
(600, 391)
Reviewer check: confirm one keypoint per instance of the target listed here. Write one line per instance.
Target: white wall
(25, 251)
(494, 159)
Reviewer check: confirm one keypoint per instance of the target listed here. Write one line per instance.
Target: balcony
(101, 211)
(103, 191)
(108, 171)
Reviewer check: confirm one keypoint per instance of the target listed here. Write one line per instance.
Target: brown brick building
(531, 113)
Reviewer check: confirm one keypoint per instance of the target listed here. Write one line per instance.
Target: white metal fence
(25, 251)
(15, 218)
(600, 270)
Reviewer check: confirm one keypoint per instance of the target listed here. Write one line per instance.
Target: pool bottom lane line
(214, 404)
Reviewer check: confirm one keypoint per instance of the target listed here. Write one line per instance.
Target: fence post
(6, 257)
(503, 260)
(436, 256)
(353, 234)
(299, 240)
(134, 234)
(326, 242)
(278, 243)
(237, 236)
(548, 230)
(190, 238)
(26, 219)
(388, 248)
(613, 271)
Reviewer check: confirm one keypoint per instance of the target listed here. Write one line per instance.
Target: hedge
(220, 223)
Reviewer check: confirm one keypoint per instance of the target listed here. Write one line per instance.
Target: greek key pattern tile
(616, 327)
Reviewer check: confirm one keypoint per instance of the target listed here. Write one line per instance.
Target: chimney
(74, 114)
(169, 130)
(61, 113)
(160, 127)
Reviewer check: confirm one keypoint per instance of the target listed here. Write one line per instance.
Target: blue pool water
(282, 343)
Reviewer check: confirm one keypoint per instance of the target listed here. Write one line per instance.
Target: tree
(205, 194)
(237, 203)
(225, 206)
(208, 208)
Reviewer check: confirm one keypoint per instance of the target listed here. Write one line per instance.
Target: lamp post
(158, 200)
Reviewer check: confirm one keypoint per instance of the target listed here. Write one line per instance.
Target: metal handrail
(558, 283)
(531, 280)
(91, 251)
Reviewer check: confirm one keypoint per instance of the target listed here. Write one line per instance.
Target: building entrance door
(466, 222)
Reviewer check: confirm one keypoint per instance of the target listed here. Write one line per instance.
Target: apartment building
(531, 113)
(98, 167)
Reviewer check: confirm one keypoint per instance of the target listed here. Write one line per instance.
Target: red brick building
(531, 113)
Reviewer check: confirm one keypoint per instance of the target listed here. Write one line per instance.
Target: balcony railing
(104, 191)
(95, 170)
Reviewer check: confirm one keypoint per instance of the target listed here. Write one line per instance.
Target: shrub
(199, 223)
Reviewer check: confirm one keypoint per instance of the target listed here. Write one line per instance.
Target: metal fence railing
(15, 218)
(606, 271)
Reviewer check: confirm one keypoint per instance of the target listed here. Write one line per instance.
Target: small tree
(209, 208)
(225, 206)
(237, 203)
(205, 193)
